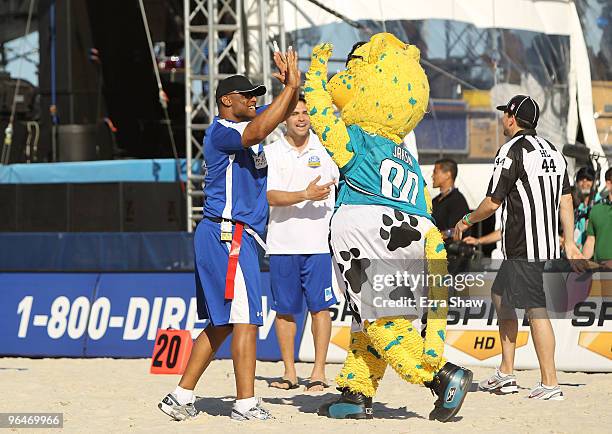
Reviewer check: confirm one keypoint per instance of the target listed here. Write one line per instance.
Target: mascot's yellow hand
(330, 128)
(320, 55)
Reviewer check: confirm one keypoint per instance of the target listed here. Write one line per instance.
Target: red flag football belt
(232, 263)
(234, 254)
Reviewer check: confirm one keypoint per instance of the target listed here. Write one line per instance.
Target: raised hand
(280, 60)
(320, 56)
(288, 71)
(293, 77)
(330, 128)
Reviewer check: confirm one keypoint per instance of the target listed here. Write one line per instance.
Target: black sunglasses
(247, 95)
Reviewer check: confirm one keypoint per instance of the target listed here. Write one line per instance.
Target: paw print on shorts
(355, 275)
(399, 235)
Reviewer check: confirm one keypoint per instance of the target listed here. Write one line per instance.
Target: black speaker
(42, 208)
(77, 142)
(77, 79)
(153, 207)
(130, 88)
(95, 207)
(92, 207)
(8, 207)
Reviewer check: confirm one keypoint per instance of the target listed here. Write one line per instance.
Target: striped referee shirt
(529, 177)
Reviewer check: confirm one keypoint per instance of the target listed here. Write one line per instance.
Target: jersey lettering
(397, 182)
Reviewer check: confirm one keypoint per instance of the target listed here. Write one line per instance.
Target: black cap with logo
(522, 107)
(238, 84)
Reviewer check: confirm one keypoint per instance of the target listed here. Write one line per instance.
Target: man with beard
(583, 202)
(228, 286)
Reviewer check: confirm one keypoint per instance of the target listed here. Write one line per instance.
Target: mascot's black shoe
(450, 384)
(348, 406)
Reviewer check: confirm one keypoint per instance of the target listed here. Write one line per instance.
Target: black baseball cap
(238, 84)
(585, 173)
(522, 107)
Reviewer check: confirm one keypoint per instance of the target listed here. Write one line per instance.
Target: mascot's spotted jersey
(383, 223)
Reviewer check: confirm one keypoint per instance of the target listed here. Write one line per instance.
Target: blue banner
(108, 314)
(44, 314)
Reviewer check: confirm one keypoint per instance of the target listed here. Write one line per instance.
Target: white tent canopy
(551, 17)
(544, 16)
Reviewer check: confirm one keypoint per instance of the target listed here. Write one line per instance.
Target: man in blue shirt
(228, 284)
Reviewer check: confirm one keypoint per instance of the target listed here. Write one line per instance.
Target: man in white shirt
(301, 176)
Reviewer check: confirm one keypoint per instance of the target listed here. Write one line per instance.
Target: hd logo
(481, 344)
(597, 342)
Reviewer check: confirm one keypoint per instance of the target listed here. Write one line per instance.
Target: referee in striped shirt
(531, 184)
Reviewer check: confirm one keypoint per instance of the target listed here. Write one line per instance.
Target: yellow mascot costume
(383, 222)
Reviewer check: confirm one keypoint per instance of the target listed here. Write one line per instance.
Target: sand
(106, 395)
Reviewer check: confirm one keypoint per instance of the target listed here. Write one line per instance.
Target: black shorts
(520, 284)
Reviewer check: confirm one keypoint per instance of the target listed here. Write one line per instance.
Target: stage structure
(222, 38)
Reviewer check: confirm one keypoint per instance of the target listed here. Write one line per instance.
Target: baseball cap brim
(238, 84)
(502, 108)
(257, 90)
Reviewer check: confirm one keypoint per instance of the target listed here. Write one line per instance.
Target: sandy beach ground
(106, 395)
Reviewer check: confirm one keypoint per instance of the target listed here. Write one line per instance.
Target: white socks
(501, 374)
(184, 396)
(244, 405)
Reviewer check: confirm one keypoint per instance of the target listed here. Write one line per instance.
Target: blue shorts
(211, 257)
(294, 277)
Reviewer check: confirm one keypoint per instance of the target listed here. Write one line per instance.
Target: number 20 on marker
(171, 351)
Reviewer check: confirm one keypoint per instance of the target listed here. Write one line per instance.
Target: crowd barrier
(106, 314)
(118, 314)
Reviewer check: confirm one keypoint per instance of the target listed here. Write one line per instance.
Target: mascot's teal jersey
(381, 173)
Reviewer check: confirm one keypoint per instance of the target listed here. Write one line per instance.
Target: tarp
(159, 170)
(537, 47)
(543, 16)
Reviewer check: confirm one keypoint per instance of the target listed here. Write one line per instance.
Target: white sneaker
(501, 384)
(176, 411)
(546, 393)
(255, 413)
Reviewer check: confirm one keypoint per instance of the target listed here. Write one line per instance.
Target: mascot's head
(384, 90)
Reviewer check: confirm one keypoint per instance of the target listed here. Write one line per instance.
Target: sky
(27, 70)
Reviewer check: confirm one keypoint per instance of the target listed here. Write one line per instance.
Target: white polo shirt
(302, 228)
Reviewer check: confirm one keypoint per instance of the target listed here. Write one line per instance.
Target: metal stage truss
(222, 38)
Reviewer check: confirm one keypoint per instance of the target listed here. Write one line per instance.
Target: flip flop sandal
(290, 385)
(311, 384)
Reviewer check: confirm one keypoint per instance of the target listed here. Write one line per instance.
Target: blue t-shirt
(381, 172)
(235, 176)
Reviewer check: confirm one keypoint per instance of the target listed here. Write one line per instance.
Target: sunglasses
(247, 95)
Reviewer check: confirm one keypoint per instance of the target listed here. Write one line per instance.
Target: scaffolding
(222, 38)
